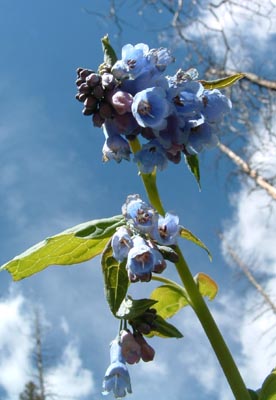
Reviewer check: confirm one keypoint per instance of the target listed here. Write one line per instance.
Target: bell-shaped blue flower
(167, 230)
(215, 105)
(150, 156)
(116, 378)
(140, 260)
(201, 137)
(150, 108)
(134, 61)
(121, 243)
(115, 146)
(143, 217)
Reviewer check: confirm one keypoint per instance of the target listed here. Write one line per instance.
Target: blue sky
(52, 177)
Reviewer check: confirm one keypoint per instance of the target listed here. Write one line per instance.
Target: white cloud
(15, 345)
(68, 377)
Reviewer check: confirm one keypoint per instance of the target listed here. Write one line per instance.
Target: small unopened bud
(122, 102)
(91, 103)
(81, 97)
(131, 349)
(97, 120)
(98, 92)
(84, 88)
(147, 352)
(84, 73)
(79, 81)
(93, 79)
(105, 110)
(108, 81)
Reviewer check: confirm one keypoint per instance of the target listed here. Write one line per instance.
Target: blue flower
(121, 243)
(134, 61)
(116, 378)
(167, 230)
(115, 146)
(161, 58)
(143, 217)
(140, 260)
(150, 156)
(215, 105)
(201, 137)
(151, 108)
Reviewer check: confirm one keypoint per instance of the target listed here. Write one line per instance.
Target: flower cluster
(175, 114)
(126, 348)
(138, 241)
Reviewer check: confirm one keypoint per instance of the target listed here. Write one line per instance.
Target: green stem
(208, 323)
(206, 319)
(149, 181)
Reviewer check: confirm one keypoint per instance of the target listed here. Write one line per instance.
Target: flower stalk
(198, 304)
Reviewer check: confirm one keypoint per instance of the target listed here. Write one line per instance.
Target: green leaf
(109, 54)
(223, 82)
(268, 389)
(193, 165)
(131, 309)
(163, 329)
(188, 235)
(67, 248)
(115, 279)
(207, 286)
(170, 299)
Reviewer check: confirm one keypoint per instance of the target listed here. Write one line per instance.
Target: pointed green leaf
(109, 54)
(207, 286)
(115, 279)
(163, 329)
(170, 300)
(131, 309)
(188, 235)
(193, 165)
(67, 248)
(223, 82)
(268, 390)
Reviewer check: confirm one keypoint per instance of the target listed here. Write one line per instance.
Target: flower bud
(97, 120)
(105, 110)
(122, 102)
(147, 352)
(131, 349)
(93, 79)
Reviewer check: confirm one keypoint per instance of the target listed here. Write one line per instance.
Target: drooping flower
(201, 137)
(131, 350)
(150, 156)
(140, 260)
(121, 243)
(167, 230)
(115, 146)
(147, 352)
(215, 105)
(150, 108)
(143, 217)
(116, 378)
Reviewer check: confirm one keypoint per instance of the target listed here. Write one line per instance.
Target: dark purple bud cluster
(94, 90)
(144, 324)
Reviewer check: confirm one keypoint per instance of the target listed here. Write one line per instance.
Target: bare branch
(252, 173)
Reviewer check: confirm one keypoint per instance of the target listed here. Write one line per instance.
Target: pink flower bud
(131, 350)
(147, 352)
(122, 102)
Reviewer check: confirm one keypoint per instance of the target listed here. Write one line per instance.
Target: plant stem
(208, 323)
(206, 319)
